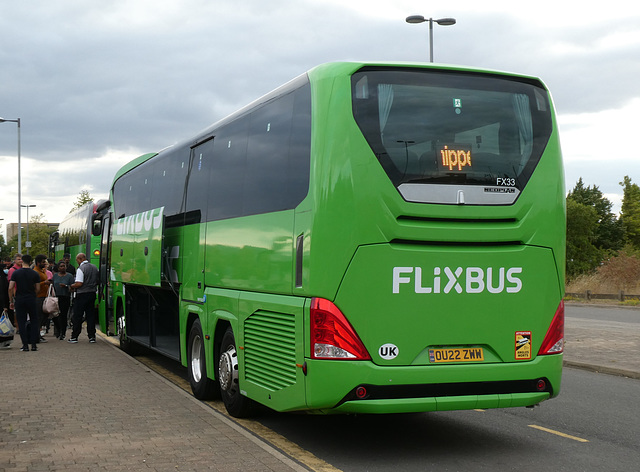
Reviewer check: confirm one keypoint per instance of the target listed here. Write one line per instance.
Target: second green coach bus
(367, 238)
(75, 235)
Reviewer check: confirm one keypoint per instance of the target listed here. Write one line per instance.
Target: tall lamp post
(28, 242)
(2, 120)
(414, 19)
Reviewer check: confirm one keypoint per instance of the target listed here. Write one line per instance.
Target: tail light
(554, 340)
(332, 336)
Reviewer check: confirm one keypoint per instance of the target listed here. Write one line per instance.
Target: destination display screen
(455, 157)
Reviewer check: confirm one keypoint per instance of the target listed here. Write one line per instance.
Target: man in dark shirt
(23, 287)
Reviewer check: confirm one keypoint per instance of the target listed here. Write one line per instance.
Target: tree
(630, 213)
(39, 234)
(582, 254)
(623, 268)
(609, 232)
(83, 198)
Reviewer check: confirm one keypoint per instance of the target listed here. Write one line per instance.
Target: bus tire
(203, 387)
(237, 405)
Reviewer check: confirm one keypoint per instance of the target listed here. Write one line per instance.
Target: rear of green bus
(435, 252)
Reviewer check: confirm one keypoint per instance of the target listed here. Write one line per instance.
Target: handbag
(50, 305)
(6, 327)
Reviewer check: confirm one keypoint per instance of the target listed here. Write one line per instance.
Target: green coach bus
(367, 238)
(75, 235)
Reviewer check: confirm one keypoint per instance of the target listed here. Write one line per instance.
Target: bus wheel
(202, 387)
(236, 404)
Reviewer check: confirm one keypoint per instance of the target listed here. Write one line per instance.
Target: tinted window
(132, 191)
(169, 174)
(228, 167)
(451, 128)
(198, 180)
(266, 177)
(299, 148)
(261, 160)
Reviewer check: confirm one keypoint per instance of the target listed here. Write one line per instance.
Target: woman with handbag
(62, 280)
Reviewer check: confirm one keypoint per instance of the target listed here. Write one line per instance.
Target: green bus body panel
(394, 285)
(251, 253)
(192, 262)
(137, 248)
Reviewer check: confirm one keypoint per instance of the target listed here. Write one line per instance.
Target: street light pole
(27, 207)
(415, 19)
(2, 120)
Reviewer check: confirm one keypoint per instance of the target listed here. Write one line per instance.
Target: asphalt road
(603, 338)
(606, 313)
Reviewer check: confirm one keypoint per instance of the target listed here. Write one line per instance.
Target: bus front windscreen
(440, 135)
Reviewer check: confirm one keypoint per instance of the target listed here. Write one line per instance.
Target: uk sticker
(388, 351)
(523, 344)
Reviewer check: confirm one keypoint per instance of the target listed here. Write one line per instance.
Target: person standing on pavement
(23, 286)
(85, 287)
(12, 267)
(67, 258)
(41, 270)
(17, 264)
(62, 281)
(5, 341)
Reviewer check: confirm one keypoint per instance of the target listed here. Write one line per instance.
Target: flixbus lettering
(134, 224)
(449, 280)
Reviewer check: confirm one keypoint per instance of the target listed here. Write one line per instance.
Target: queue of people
(24, 286)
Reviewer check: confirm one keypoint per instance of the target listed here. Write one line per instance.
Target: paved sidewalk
(72, 407)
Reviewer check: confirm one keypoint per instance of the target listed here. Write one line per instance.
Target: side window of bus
(134, 191)
(227, 170)
(169, 173)
(266, 177)
(200, 166)
(261, 161)
(300, 147)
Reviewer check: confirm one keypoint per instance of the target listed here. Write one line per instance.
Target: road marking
(558, 433)
(289, 448)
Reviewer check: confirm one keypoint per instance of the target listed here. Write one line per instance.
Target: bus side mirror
(96, 226)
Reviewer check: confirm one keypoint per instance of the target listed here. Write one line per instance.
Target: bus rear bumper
(363, 387)
(463, 402)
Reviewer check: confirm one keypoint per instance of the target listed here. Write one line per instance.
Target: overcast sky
(98, 83)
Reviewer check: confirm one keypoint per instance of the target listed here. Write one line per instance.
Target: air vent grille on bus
(270, 349)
